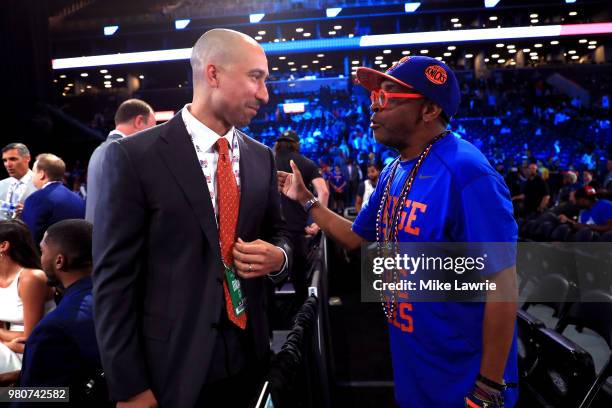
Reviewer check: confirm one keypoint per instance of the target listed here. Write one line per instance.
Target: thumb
(294, 167)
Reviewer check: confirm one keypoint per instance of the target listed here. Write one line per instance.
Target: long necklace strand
(391, 234)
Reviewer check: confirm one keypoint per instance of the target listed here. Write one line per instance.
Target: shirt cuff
(282, 270)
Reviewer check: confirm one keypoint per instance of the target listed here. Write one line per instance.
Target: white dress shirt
(204, 139)
(18, 187)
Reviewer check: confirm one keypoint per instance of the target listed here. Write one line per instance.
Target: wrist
(491, 383)
(305, 198)
(485, 387)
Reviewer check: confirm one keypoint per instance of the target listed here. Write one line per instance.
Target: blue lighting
(570, 1)
(256, 18)
(181, 24)
(311, 45)
(110, 30)
(491, 3)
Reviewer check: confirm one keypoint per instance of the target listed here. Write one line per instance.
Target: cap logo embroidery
(436, 74)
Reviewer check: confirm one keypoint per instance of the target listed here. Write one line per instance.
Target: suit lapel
(179, 156)
(247, 172)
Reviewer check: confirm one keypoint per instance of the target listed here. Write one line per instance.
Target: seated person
(595, 214)
(24, 295)
(62, 350)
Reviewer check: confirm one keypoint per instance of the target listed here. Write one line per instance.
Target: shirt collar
(49, 183)
(26, 178)
(116, 132)
(204, 136)
(83, 283)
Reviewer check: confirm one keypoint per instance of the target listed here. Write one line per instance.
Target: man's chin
(379, 136)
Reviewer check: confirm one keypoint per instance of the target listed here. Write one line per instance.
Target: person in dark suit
(62, 350)
(52, 202)
(177, 238)
(131, 117)
(352, 175)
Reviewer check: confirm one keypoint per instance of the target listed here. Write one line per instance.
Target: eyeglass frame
(375, 97)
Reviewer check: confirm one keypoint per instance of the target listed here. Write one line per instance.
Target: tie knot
(222, 145)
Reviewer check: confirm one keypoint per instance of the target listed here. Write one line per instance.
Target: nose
(262, 94)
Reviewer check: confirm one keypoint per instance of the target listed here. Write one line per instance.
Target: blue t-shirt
(599, 214)
(436, 347)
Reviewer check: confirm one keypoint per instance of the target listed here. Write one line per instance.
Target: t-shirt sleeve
(602, 212)
(310, 172)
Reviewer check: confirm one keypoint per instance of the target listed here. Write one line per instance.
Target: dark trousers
(237, 391)
(235, 375)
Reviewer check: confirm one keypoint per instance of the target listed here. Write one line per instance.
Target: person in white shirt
(131, 117)
(24, 295)
(368, 186)
(18, 185)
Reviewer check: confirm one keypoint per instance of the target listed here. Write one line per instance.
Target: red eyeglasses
(381, 97)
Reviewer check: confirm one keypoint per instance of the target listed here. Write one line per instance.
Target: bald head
(229, 79)
(220, 47)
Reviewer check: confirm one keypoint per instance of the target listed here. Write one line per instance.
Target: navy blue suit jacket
(49, 205)
(62, 350)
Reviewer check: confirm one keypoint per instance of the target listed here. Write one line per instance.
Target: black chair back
(564, 371)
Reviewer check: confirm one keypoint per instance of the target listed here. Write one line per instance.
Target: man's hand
(257, 258)
(566, 220)
(563, 219)
(145, 399)
(18, 210)
(312, 229)
(17, 344)
(292, 184)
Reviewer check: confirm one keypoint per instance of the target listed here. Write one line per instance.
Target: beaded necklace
(391, 233)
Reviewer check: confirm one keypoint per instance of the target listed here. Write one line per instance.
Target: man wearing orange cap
(445, 354)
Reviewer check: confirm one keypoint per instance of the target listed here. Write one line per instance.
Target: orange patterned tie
(228, 202)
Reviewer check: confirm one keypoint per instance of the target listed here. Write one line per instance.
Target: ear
(60, 262)
(431, 111)
(4, 246)
(211, 75)
(138, 121)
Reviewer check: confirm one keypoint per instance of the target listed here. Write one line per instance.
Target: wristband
(313, 202)
(490, 383)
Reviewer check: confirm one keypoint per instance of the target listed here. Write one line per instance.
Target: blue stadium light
(333, 12)
(256, 18)
(181, 24)
(570, 1)
(411, 7)
(110, 30)
(491, 3)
